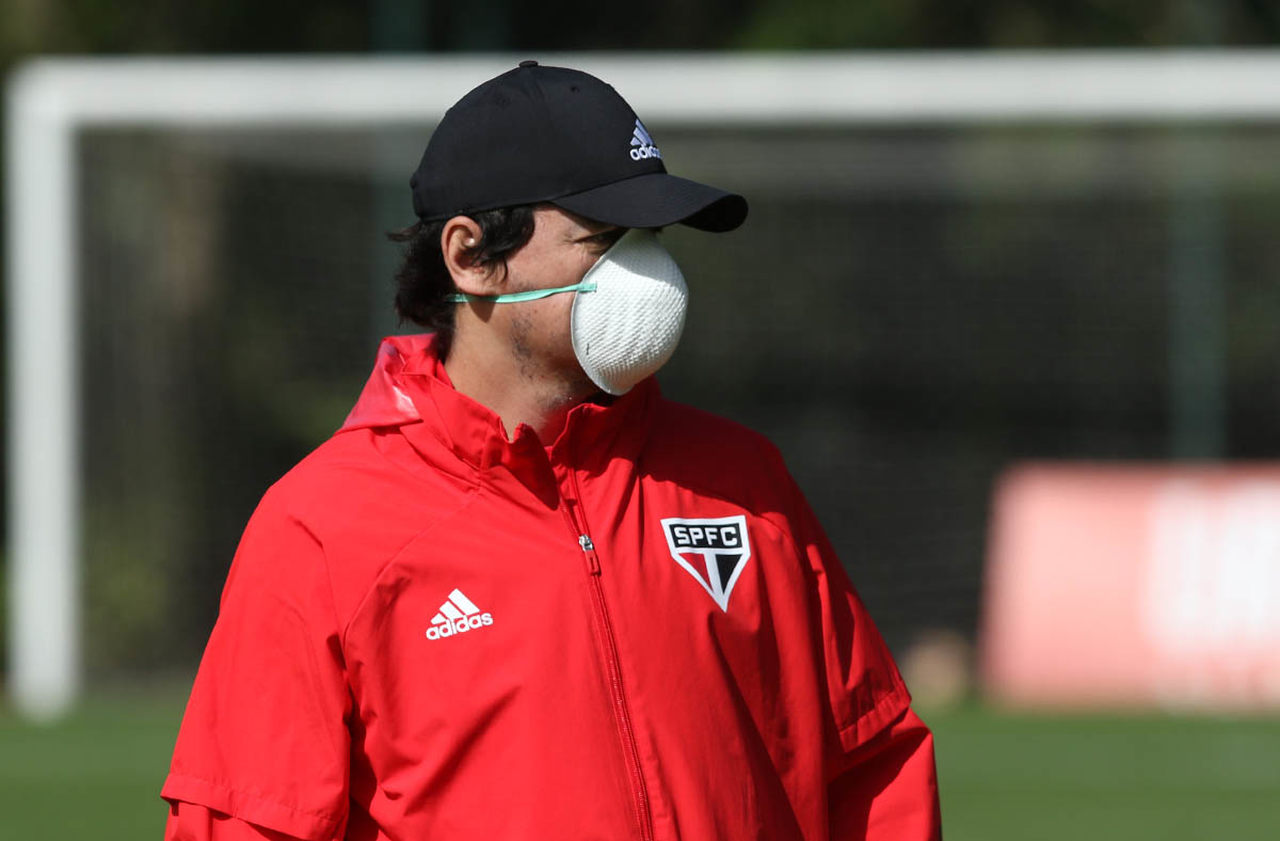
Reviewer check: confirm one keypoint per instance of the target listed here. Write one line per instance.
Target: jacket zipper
(621, 711)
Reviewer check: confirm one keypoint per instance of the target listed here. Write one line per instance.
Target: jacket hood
(385, 400)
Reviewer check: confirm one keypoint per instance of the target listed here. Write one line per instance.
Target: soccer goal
(196, 279)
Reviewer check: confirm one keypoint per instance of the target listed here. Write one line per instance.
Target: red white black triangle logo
(713, 551)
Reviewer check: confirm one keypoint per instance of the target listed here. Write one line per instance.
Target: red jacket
(639, 632)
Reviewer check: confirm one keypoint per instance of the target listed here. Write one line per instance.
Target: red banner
(1135, 586)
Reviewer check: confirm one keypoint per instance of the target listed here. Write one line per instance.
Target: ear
(458, 240)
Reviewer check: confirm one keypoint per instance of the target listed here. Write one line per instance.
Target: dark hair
(423, 284)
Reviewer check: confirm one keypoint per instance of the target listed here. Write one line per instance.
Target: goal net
(952, 262)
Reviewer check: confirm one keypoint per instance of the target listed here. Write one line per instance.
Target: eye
(605, 239)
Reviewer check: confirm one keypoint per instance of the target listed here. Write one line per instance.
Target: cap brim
(658, 199)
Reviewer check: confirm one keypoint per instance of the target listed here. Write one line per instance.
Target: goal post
(51, 101)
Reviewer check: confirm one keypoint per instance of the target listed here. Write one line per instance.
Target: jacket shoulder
(358, 473)
(361, 504)
(718, 456)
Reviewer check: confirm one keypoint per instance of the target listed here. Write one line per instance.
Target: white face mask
(628, 311)
(629, 326)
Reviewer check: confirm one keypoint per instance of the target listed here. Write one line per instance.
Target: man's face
(563, 247)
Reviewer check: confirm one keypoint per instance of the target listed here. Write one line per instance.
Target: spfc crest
(713, 551)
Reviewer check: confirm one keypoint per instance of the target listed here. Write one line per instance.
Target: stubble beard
(559, 384)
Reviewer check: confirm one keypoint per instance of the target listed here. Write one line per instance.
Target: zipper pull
(589, 549)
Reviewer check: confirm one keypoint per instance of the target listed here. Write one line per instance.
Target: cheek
(559, 322)
(545, 325)
(559, 316)
(587, 262)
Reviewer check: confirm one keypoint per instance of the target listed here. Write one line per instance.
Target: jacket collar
(410, 389)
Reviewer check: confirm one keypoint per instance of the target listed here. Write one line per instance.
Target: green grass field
(97, 776)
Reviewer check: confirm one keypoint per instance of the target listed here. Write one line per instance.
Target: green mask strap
(517, 297)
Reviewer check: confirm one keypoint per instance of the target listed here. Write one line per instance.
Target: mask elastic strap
(517, 297)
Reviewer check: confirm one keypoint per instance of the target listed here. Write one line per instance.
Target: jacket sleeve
(888, 788)
(880, 765)
(264, 739)
(189, 822)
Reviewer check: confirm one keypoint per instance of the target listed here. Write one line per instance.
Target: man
(519, 595)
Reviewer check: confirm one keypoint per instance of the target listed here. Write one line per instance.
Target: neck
(520, 392)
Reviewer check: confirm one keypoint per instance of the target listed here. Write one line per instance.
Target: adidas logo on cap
(457, 616)
(642, 144)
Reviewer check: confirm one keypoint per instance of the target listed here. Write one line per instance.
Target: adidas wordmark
(457, 615)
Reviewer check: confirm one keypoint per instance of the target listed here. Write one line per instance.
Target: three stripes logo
(457, 615)
(713, 551)
(642, 144)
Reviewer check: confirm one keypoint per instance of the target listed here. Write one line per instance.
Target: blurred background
(1025, 370)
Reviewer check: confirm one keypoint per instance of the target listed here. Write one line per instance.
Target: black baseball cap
(552, 134)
